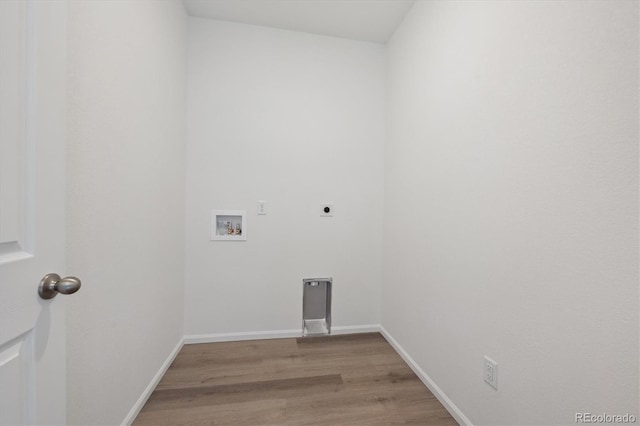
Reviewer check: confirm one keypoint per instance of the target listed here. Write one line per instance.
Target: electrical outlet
(262, 207)
(326, 209)
(491, 372)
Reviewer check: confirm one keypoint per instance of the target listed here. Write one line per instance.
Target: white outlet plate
(262, 207)
(323, 207)
(491, 372)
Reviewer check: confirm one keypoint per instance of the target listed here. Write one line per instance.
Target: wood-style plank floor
(355, 379)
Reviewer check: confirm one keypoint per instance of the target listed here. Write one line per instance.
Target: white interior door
(32, 137)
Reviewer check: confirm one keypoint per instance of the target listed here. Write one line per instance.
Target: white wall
(295, 119)
(512, 158)
(125, 207)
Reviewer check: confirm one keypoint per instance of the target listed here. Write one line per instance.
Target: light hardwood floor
(353, 379)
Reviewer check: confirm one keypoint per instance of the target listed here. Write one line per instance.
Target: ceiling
(368, 20)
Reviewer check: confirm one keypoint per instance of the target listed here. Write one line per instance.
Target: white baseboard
(273, 334)
(135, 410)
(244, 335)
(355, 329)
(457, 414)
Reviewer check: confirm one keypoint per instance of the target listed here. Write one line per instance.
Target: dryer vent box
(316, 306)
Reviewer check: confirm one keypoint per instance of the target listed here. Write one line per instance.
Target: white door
(32, 172)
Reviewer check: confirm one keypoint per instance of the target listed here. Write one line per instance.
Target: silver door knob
(52, 284)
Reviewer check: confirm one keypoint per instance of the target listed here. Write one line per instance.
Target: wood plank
(245, 413)
(242, 392)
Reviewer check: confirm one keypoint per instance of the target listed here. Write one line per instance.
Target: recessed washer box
(228, 225)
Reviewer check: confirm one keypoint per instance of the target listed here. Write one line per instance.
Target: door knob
(52, 284)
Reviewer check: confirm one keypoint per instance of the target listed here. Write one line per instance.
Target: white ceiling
(369, 20)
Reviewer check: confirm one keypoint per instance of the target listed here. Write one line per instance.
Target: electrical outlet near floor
(491, 372)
